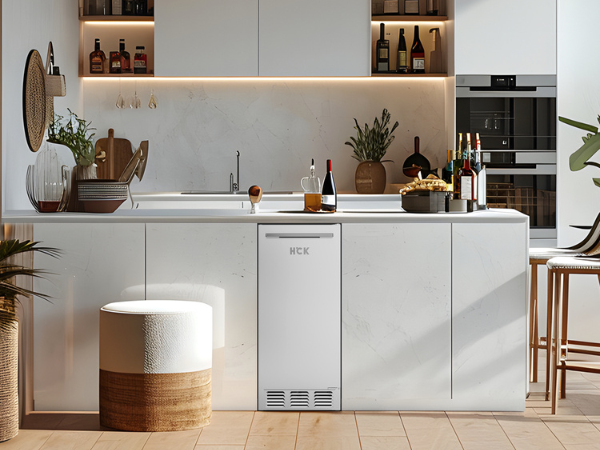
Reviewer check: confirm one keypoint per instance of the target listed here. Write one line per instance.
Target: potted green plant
(591, 144)
(9, 328)
(370, 146)
(76, 134)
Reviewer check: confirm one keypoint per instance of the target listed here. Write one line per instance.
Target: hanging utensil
(418, 160)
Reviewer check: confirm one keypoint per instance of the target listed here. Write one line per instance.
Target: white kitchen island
(434, 306)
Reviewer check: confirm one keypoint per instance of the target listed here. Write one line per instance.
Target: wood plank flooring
(575, 427)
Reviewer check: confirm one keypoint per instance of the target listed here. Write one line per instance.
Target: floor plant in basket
(9, 327)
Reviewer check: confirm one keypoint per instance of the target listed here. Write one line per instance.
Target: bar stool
(540, 256)
(559, 270)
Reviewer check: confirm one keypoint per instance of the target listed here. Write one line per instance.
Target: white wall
(27, 25)
(578, 200)
(278, 125)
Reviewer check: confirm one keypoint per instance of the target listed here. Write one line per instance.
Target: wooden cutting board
(117, 153)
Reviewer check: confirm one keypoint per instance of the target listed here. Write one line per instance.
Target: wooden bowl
(412, 172)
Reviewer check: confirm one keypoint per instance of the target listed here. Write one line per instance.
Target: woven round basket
(9, 372)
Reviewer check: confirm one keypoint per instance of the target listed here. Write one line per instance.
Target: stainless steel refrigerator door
(299, 317)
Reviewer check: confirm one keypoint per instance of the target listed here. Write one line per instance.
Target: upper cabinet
(314, 38)
(510, 37)
(206, 38)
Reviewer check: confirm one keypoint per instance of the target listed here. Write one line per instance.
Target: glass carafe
(50, 180)
(312, 190)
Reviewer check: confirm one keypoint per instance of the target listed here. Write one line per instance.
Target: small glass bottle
(97, 59)
(140, 7)
(125, 57)
(127, 8)
(140, 63)
(115, 62)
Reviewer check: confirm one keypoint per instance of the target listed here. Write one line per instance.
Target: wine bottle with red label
(417, 54)
(329, 194)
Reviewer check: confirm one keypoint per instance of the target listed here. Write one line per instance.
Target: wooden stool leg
(533, 326)
(563, 334)
(549, 313)
(555, 341)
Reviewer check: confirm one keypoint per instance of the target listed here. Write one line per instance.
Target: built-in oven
(515, 116)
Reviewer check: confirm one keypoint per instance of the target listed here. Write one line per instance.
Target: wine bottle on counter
(383, 51)
(457, 164)
(448, 171)
(417, 54)
(97, 59)
(125, 57)
(465, 182)
(329, 194)
(115, 62)
(401, 66)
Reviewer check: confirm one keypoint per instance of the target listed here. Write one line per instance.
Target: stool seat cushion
(579, 263)
(544, 254)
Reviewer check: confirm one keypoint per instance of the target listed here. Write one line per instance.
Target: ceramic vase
(370, 178)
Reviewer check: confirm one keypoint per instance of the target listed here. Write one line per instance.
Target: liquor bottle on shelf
(125, 57)
(97, 59)
(117, 7)
(390, 7)
(103, 7)
(128, 7)
(140, 63)
(382, 51)
(432, 7)
(115, 62)
(140, 7)
(417, 54)
(329, 194)
(411, 6)
(401, 66)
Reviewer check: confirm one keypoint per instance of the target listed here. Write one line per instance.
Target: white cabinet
(314, 38)
(100, 264)
(215, 263)
(206, 37)
(511, 37)
(396, 346)
(489, 315)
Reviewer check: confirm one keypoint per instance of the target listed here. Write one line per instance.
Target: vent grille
(299, 400)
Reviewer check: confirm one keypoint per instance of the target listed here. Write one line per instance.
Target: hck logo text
(299, 250)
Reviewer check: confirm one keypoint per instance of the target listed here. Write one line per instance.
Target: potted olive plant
(370, 146)
(9, 328)
(75, 133)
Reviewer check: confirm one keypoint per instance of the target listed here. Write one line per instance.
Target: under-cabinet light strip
(121, 22)
(254, 79)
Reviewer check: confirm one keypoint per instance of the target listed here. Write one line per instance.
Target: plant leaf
(589, 148)
(596, 181)
(574, 123)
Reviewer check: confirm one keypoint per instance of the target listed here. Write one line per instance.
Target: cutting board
(112, 156)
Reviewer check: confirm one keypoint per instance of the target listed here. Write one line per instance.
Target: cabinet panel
(206, 37)
(215, 264)
(511, 37)
(489, 315)
(100, 264)
(395, 315)
(315, 38)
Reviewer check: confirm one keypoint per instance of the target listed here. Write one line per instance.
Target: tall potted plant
(370, 146)
(9, 329)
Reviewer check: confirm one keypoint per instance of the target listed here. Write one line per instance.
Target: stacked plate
(101, 196)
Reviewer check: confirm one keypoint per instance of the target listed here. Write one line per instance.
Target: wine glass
(120, 101)
(152, 104)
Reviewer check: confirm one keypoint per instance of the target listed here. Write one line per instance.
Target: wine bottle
(127, 7)
(97, 59)
(457, 164)
(115, 62)
(448, 171)
(465, 182)
(417, 54)
(432, 7)
(401, 66)
(383, 51)
(140, 62)
(125, 57)
(329, 195)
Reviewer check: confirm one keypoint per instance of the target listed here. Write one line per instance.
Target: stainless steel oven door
(530, 190)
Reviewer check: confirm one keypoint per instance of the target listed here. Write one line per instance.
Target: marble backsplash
(277, 125)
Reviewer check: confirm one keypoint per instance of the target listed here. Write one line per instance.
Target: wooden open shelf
(409, 75)
(116, 18)
(407, 18)
(117, 75)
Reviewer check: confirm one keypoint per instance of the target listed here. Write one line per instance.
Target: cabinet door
(489, 315)
(396, 284)
(511, 37)
(214, 263)
(100, 264)
(315, 38)
(206, 37)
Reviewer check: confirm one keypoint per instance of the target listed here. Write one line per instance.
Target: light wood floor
(575, 427)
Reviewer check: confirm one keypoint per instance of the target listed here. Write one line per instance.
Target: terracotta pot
(9, 372)
(370, 178)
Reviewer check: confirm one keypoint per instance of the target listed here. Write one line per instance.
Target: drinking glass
(152, 104)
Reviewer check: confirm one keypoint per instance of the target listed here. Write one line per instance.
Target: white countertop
(278, 208)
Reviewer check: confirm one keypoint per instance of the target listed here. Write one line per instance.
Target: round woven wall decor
(34, 100)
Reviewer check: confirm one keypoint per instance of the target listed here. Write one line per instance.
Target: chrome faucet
(234, 187)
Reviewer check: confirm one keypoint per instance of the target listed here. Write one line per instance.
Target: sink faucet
(234, 187)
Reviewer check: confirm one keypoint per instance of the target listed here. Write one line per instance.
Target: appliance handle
(540, 92)
(540, 169)
(299, 235)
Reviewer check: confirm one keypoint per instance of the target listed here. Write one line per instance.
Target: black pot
(416, 159)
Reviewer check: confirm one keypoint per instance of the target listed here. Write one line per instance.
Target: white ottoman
(155, 365)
